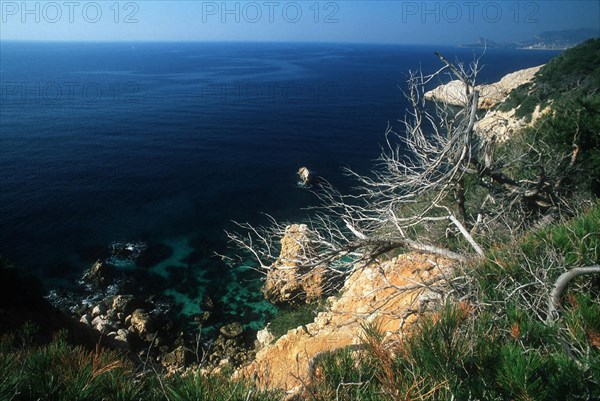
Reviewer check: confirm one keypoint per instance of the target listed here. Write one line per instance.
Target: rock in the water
(305, 175)
(207, 303)
(232, 330)
(287, 281)
(100, 274)
(201, 317)
(153, 254)
(127, 251)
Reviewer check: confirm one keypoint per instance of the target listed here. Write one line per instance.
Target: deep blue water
(170, 142)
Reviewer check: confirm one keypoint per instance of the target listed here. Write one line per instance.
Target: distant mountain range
(551, 40)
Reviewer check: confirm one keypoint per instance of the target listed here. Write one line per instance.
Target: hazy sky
(414, 22)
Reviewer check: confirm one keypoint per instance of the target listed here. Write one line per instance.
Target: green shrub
(292, 317)
(575, 69)
(61, 372)
(197, 387)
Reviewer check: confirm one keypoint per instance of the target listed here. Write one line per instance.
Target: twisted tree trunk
(561, 285)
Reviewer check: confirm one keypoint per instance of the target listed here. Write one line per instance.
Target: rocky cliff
(453, 93)
(390, 294)
(494, 123)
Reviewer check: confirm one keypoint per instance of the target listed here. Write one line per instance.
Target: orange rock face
(286, 281)
(390, 294)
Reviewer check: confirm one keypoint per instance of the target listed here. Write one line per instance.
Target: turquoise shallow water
(169, 142)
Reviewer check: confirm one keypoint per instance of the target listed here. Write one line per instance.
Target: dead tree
(416, 194)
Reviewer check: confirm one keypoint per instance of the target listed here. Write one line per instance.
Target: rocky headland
(453, 93)
(493, 122)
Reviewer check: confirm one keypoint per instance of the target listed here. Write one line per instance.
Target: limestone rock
(122, 335)
(289, 283)
(103, 325)
(454, 93)
(501, 125)
(98, 310)
(125, 304)
(86, 319)
(263, 338)
(232, 330)
(179, 357)
(305, 176)
(370, 290)
(141, 322)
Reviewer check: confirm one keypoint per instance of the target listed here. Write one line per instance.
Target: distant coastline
(552, 40)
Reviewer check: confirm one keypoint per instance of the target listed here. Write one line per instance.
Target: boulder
(86, 319)
(179, 357)
(104, 326)
(100, 274)
(232, 330)
(98, 310)
(263, 338)
(125, 304)
(141, 322)
(122, 335)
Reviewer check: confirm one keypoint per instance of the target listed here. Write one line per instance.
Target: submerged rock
(153, 254)
(207, 303)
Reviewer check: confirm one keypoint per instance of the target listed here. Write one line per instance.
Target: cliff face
(503, 124)
(389, 294)
(495, 123)
(453, 93)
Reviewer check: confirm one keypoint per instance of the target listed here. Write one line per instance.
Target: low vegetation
(575, 70)
(62, 372)
(292, 317)
(491, 340)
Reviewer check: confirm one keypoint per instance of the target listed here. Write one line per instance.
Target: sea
(171, 143)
